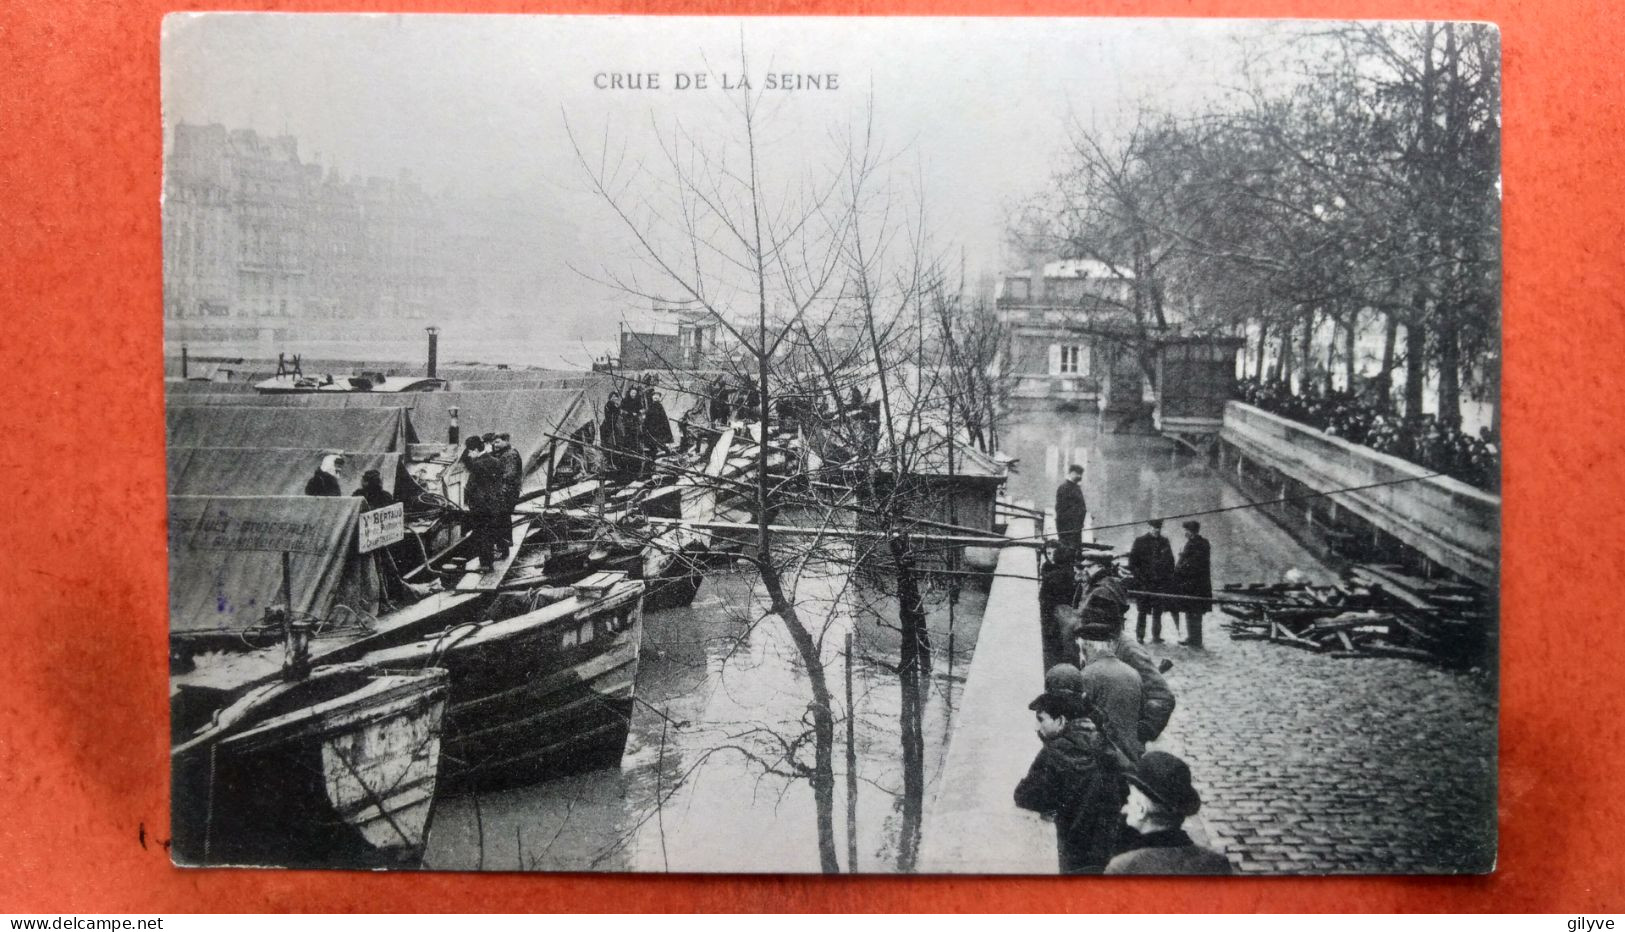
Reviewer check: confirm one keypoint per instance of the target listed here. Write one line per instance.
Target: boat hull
(539, 695)
(338, 770)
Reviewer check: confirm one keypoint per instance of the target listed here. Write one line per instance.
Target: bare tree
(821, 277)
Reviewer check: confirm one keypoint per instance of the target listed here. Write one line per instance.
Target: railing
(1447, 520)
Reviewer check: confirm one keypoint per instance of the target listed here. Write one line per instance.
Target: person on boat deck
(717, 397)
(485, 501)
(513, 468)
(656, 426)
(372, 492)
(1160, 799)
(609, 431)
(326, 479)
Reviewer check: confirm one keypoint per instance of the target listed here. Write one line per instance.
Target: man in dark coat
(656, 425)
(1160, 799)
(1076, 779)
(485, 500)
(513, 469)
(1071, 509)
(1193, 580)
(325, 481)
(1151, 563)
(718, 398)
(1058, 588)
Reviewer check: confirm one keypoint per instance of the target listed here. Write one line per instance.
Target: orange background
(83, 734)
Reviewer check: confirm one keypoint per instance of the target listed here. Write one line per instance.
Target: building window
(1069, 359)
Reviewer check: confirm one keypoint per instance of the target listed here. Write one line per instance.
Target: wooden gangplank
(486, 579)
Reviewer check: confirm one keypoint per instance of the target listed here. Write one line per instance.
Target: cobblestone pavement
(1306, 763)
(1312, 764)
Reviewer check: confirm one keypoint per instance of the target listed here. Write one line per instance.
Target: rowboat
(337, 769)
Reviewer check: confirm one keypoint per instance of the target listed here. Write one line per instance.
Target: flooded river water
(719, 689)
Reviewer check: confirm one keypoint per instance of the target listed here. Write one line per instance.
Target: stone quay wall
(1400, 513)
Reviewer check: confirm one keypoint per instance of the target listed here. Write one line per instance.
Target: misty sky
(476, 104)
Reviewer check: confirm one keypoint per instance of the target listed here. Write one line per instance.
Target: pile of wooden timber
(1377, 611)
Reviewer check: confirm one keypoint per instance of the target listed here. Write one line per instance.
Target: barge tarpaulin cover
(267, 471)
(225, 559)
(375, 429)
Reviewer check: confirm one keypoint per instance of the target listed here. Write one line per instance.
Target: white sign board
(382, 527)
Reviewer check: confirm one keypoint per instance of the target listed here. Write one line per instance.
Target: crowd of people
(1425, 440)
(1118, 807)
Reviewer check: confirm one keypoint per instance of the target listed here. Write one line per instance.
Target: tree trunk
(823, 776)
(911, 671)
(1263, 344)
(1308, 351)
(1331, 355)
(1283, 362)
(1449, 349)
(1415, 367)
(1351, 371)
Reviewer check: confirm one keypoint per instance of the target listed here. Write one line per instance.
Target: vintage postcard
(832, 445)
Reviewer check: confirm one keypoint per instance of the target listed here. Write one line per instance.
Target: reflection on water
(1128, 478)
(700, 787)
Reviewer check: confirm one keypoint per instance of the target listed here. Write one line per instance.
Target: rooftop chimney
(434, 349)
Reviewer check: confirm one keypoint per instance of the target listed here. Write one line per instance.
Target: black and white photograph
(832, 445)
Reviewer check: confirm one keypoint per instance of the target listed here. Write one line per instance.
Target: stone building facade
(1058, 316)
(261, 245)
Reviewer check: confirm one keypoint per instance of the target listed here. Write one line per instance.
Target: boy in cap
(1075, 778)
(1160, 799)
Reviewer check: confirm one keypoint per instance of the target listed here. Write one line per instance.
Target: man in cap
(1113, 686)
(1193, 580)
(485, 500)
(1070, 508)
(1151, 563)
(1076, 778)
(1160, 799)
(513, 468)
(325, 481)
(1101, 633)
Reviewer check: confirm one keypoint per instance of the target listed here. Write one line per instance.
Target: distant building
(261, 246)
(1073, 340)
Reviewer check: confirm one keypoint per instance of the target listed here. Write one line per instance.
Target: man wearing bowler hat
(1193, 580)
(1160, 799)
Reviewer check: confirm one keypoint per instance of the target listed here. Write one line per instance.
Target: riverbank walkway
(1306, 763)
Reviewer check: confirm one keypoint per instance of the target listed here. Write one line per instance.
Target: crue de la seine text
(700, 81)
